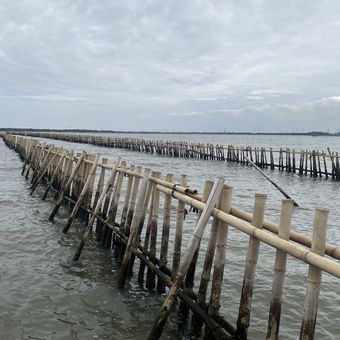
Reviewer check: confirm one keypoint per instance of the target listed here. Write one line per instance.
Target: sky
(151, 65)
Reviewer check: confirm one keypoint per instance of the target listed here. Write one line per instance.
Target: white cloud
(44, 98)
(334, 98)
(117, 60)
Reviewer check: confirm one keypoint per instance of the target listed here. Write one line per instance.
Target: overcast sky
(170, 65)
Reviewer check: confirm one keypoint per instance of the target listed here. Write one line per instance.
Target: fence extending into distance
(304, 162)
(140, 216)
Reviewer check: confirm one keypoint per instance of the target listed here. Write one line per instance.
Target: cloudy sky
(193, 65)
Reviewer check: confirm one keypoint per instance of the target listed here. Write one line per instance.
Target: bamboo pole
(197, 323)
(54, 174)
(279, 272)
(96, 211)
(148, 228)
(165, 235)
(68, 184)
(271, 181)
(41, 174)
(314, 276)
(132, 202)
(179, 229)
(150, 276)
(294, 250)
(219, 262)
(127, 197)
(82, 195)
(114, 204)
(190, 275)
(295, 236)
(133, 238)
(194, 242)
(243, 319)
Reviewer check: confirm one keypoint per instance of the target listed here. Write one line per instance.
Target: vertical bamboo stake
(179, 230)
(141, 221)
(68, 184)
(96, 210)
(150, 276)
(120, 246)
(114, 205)
(89, 195)
(197, 322)
(100, 184)
(190, 275)
(41, 174)
(82, 195)
(279, 272)
(325, 164)
(133, 238)
(127, 199)
(314, 276)
(99, 190)
(27, 151)
(165, 235)
(148, 228)
(220, 255)
(38, 162)
(131, 210)
(193, 245)
(132, 202)
(249, 274)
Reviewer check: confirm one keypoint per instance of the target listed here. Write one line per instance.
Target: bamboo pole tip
(287, 201)
(259, 195)
(324, 211)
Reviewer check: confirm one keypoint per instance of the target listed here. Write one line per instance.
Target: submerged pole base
(79, 250)
(159, 324)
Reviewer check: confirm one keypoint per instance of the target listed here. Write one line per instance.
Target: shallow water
(42, 297)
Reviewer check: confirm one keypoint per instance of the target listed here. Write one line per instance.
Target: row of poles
(94, 189)
(304, 162)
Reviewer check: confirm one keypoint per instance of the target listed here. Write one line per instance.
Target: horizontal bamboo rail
(314, 162)
(73, 177)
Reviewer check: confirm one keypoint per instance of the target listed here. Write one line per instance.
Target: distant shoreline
(310, 133)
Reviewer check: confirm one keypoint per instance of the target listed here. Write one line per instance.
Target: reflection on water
(43, 297)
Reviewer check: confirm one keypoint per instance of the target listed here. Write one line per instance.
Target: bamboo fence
(120, 206)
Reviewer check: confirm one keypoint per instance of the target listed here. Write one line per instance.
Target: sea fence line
(303, 162)
(140, 225)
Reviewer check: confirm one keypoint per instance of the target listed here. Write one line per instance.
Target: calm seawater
(42, 297)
